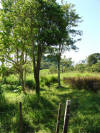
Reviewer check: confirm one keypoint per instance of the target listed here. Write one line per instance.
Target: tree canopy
(93, 59)
(31, 28)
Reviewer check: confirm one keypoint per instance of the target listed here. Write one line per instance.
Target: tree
(70, 34)
(30, 25)
(93, 59)
(14, 34)
(80, 67)
(66, 64)
(95, 67)
(51, 25)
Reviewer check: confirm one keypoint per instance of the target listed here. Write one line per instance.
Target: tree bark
(25, 70)
(59, 58)
(36, 65)
(22, 70)
(37, 70)
(22, 79)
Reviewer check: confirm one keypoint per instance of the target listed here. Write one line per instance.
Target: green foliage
(66, 64)
(48, 80)
(13, 80)
(95, 67)
(48, 61)
(80, 67)
(93, 59)
(30, 84)
(30, 29)
(40, 114)
(53, 69)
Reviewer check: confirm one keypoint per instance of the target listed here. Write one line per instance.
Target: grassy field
(40, 114)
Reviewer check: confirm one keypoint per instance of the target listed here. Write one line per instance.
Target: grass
(88, 83)
(40, 114)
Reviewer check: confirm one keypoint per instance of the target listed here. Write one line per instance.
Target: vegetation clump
(88, 83)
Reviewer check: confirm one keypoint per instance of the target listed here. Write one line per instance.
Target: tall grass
(40, 114)
(88, 83)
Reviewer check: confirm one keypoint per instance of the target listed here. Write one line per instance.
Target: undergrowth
(40, 114)
(87, 83)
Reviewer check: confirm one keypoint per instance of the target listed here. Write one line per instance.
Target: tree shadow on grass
(62, 88)
(85, 108)
(8, 116)
(41, 113)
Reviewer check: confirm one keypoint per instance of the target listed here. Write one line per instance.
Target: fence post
(58, 118)
(66, 116)
(21, 121)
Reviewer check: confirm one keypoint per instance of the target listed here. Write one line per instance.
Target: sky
(89, 10)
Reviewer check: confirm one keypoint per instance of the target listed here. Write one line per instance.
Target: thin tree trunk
(37, 84)
(23, 83)
(25, 70)
(25, 73)
(59, 58)
(38, 69)
(59, 84)
(22, 71)
(22, 80)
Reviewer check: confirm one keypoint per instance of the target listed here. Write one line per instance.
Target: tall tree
(46, 27)
(68, 41)
(14, 35)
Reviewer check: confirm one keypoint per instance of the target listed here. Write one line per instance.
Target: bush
(13, 80)
(53, 69)
(88, 83)
(80, 67)
(8, 87)
(30, 83)
(48, 80)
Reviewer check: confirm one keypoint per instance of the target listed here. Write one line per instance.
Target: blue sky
(89, 10)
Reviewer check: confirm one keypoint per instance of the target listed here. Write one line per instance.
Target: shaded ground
(39, 115)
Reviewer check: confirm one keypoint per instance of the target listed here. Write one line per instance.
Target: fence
(13, 122)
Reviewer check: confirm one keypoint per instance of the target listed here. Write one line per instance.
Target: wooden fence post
(66, 116)
(21, 121)
(58, 118)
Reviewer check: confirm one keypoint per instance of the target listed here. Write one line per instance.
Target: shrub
(88, 83)
(48, 80)
(13, 80)
(8, 87)
(53, 69)
(30, 83)
(80, 67)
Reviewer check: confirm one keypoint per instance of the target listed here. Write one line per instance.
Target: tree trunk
(22, 71)
(37, 84)
(59, 71)
(36, 65)
(25, 73)
(22, 80)
(25, 70)
(37, 70)
(59, 58)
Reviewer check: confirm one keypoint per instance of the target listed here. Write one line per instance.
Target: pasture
(40, 114)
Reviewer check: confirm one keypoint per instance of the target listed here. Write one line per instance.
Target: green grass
(40, 114)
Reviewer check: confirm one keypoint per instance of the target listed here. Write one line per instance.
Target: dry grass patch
(88, 83)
